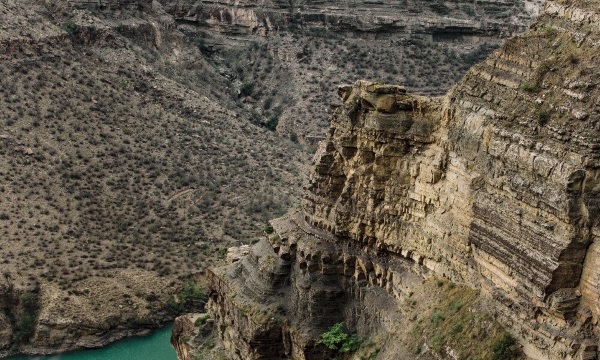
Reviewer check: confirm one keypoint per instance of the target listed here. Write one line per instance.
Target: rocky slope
(314, 46)
(494, 186)
(122, 174)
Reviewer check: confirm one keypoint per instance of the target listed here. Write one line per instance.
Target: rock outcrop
(442, 21)
(495, 185)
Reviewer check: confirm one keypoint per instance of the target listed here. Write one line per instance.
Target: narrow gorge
(473, 212)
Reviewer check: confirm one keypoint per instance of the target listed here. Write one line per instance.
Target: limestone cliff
(495, 185)
(458, 19)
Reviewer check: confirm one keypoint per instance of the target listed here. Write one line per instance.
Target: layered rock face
(495, 185)
(441, 20)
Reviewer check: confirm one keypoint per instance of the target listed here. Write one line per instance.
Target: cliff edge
(494, 186)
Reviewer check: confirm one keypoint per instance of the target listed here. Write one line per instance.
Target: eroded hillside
(287, 57)
(121, 173)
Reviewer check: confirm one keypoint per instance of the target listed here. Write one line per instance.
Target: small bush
(72, 28)
(246, 88)
(201, 320)
(527, 86)
(437, 343)
(272, 122)
(455, 306)
(436, 319)
(337, 339)
(294, 137)
(542, 117)
(457, 329)
(505, 347)
(350, 345)
(268, 229)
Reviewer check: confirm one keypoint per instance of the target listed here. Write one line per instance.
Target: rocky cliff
(448, 20)
(494, 186)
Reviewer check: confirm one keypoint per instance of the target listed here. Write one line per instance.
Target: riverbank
(155, 346)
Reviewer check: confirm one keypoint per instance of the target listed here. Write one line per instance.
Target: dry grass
(450, 318)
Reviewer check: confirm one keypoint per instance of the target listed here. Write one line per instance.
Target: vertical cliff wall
(495, 185)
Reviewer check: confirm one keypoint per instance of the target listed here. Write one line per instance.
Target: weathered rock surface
(183, 330)
(495, 185)
(455, 20)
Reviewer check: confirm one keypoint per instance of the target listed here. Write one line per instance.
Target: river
(153, 347)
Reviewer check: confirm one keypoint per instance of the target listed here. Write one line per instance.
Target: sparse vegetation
(336, 338)
(455, 322)
(27, 318)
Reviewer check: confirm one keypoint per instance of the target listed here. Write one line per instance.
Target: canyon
(488, 196)
(423, 45)
(140, 139)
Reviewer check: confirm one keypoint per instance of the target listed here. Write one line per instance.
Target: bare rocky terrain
(140, 139)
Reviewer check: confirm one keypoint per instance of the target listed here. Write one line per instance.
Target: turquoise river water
(153, 347)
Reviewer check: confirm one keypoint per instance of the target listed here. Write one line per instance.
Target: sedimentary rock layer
(495, 185)
(443, 21)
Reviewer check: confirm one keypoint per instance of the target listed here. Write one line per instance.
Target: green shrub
(272, 122)
(268, 229)
(294, 137)
(505, 347)
(27, 320)
(351, 344)
(455, 306)
(337, 339)
(542, 117)
(436, 319)
(437, 343)
(457, 329)
(334, 336)
(246, 88)
(72, 28)
(201, 320)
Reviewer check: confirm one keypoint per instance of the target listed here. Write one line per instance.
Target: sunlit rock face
(495, 185)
